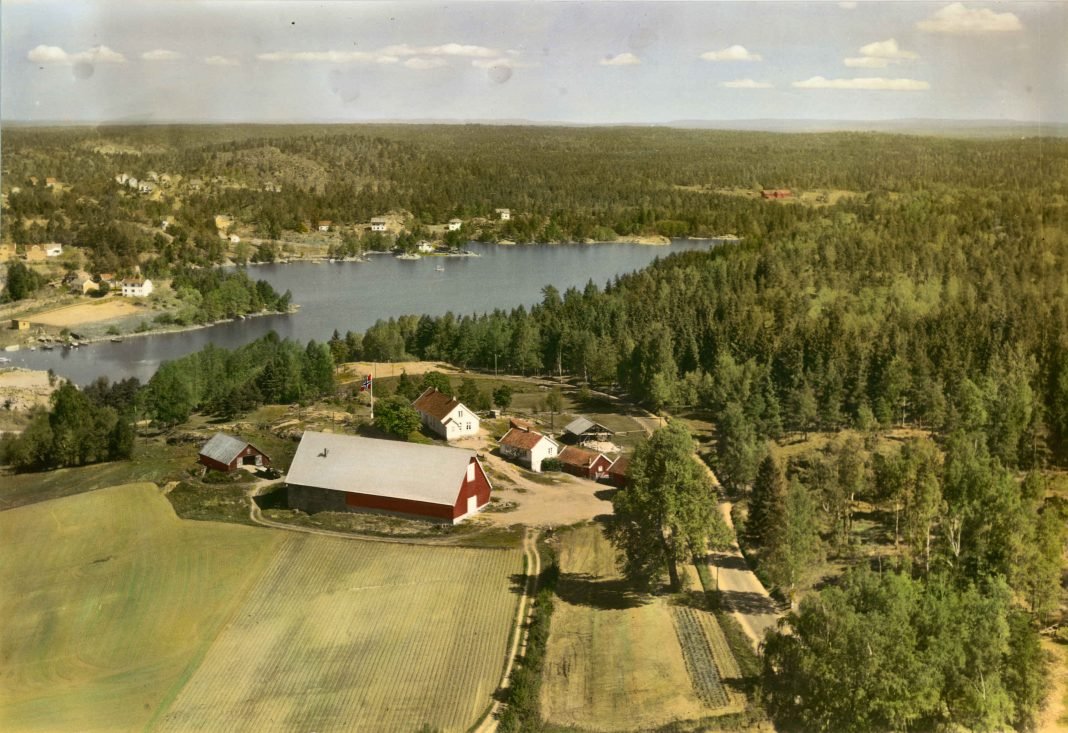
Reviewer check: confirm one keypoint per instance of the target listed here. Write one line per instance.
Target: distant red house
(225, 453)
(342, 473)
(776, 193)
(617, 472)
(584, 463)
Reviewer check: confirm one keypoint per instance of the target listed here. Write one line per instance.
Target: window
(468, 426)
(470, 472)
(459, 413)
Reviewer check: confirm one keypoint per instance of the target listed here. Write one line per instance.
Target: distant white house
(378, 224)
(445, 415)
(122, 178)
(425, 247)
(528, 447)
(146, 187)
(324, 225)
(133, 288)
(53, 250)
(455, 224)
(504, 214)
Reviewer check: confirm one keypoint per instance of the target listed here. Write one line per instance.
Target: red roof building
(776, 193)
(584, 463)
(445, 415)
(225, 453)
(528, 447)
(617, 472)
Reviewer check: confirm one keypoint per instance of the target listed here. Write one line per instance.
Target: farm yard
(105, 618)
(618, 660)
(355, 635)
(132, 618)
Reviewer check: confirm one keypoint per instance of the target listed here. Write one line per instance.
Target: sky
(134, 61)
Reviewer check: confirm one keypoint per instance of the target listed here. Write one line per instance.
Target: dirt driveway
(552, 500)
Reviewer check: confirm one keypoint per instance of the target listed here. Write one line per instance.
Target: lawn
(109, 601)
(356, 635)
(618, 660)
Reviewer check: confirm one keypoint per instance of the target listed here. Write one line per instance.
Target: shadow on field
(583, 589)
(605, 494)
(746, 602)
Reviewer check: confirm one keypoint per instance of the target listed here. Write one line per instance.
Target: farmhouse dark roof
(427, 473)
(522, 439)
(581, 425)
(223, 448)
(436, 404)
(580, 457)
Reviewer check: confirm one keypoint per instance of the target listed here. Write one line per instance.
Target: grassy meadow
(129, 618)
(618, 660)
(344, 635)
(109, 603)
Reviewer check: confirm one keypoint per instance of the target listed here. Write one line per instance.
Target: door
(472, 504)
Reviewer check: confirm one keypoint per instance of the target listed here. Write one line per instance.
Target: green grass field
(109, 600)
(620, 661)
(344, 635)
(121, 616)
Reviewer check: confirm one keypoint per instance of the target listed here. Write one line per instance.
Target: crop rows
(344, 635)
(697, 653)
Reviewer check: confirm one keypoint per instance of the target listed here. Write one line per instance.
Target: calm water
(352, 296)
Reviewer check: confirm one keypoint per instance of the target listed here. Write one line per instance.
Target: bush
(552, 464)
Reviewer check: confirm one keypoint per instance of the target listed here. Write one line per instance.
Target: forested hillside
(560, 183)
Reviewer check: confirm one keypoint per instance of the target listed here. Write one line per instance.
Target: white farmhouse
(528, 447)
(425, 247)
(378, 224)
(53, 250)
(445, 415)
(455, 224)
(504, 214)
(133, 288)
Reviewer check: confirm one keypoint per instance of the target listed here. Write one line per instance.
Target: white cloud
(332, 57)
(447, 49)
(419, 63)
(621, 59)
(747, 84)
(161, 54)
(848, 4)
(55, 55)
(866, 62)
(732, 53)
(959, 20)
(887, 49)
(871, 83)
(221, 61)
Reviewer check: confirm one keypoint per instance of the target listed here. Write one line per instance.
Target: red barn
(617, 472)
(339, 473)
(225, 453)
(584, 463)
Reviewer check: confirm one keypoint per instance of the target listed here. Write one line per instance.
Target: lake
(351, 296)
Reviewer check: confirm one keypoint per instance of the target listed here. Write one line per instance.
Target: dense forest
(560, 183)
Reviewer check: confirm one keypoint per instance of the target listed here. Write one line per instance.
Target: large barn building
(225, 453)
(445, 415)
(338, 473)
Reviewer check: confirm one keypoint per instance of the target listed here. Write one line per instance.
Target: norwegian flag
(366, 383)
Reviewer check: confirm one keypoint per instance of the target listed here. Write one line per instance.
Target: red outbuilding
(584, 463)
(776, 193)
(338, 473)
(617, 472)
(225, 453)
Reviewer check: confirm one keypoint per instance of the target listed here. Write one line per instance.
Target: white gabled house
(378, 224)
(528, 447)
(136, 288)
(455, 224)
(445, 415)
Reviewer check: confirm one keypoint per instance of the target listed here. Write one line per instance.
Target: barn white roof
(429, 473)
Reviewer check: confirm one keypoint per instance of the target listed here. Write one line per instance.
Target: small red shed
(776, 193)
(225, 453)
(617, 472)
(584, 463)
